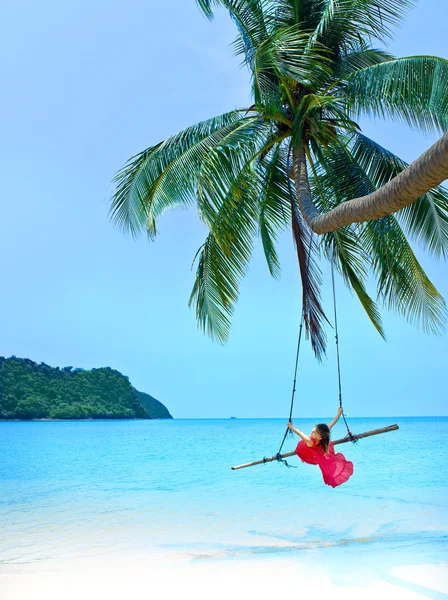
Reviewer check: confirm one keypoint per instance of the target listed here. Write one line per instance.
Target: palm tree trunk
(425, 173)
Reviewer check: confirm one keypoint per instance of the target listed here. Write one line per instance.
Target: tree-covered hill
(155, 408)
(37, 391)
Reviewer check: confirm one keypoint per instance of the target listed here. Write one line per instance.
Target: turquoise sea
(165, 488)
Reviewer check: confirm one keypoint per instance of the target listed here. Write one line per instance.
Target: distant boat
(233, 417)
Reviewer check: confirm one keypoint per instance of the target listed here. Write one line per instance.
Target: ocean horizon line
(48, 420)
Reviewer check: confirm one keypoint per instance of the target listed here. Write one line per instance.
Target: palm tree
(296, 157)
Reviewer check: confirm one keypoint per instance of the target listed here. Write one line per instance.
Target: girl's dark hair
(324, 431)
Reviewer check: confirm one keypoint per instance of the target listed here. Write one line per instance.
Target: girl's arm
(305, 438)
(336, 419)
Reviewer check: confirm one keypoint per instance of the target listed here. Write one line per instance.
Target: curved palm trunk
(425, 173)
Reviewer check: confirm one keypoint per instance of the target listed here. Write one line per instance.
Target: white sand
(138, 579)
(420, 575)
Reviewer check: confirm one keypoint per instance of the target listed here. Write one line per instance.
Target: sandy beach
(140, 579)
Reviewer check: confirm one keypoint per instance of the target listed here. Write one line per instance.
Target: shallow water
(165, 488)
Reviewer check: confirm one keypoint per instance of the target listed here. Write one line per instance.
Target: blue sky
(87, 85)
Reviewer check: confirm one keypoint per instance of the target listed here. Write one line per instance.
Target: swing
(350, 437)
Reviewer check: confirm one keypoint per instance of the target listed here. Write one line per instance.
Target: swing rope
(293, 393)
(336, 336)
(299, 340)
(349, 437)
(338, 360)
(288, 431)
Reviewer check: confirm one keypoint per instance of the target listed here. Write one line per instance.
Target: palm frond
(224, 257)
(305, 13)
(402, 283)
(344, 22)
(285, 54)
(342, 246)
(351, 262)
(313, 313)
(232, 188)
(244, 45)
(166, 175)
(307, 252)
(215, 291)
(250, 18)
(340, 176)
(128, 206)
(275, 210)
(206, 6)
(426, 219)
(412, 89)
(359, 57)
(225, 162)
(329, 11)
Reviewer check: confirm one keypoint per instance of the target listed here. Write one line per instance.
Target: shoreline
(139, 578)
(88, 419)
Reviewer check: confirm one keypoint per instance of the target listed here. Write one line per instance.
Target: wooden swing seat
(343, 440)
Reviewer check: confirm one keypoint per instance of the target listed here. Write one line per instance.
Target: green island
(29, 390)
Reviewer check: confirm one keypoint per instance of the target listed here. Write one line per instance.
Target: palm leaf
(412, 89)
(313, 314)
(166, 175)
(359, 57)
(206, 7)
(305, 13)
(402, 283)
(224, 163)
(275, 210)
(342, 246)
(128, 207)
(307, 252)
(344, 22)
(250, 18)
(351, 261)
(224, 257)
(215, 290)
(285, 54)
(426, 219)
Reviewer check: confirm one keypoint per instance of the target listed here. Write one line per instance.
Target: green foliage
(380, 246)
(411, 89)
(150, 182)
(153, 407)
(426, 219)
(37, 391)
(314, 69)
(32, 407)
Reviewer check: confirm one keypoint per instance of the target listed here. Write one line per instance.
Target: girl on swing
(316, 449)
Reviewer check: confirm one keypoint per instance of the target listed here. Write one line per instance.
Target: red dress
(335, 468)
